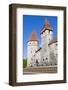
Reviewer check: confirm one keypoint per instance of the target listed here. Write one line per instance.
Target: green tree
(24, 63)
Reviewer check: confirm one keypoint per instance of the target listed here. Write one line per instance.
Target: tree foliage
(24, 63)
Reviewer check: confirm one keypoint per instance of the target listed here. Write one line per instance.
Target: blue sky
(31, 22)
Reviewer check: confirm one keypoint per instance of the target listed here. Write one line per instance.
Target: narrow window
(56, 44)
(46, 58)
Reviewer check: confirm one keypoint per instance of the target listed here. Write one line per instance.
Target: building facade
(45, 55)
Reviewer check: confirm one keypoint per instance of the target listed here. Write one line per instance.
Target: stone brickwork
(47, 69)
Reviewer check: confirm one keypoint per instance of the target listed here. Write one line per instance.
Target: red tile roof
(46, 26)
(33, 36)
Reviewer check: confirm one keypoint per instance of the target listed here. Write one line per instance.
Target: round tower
(46, 31)
(46, 36)
(32, 46)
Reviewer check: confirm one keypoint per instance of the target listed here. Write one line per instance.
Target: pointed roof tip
(46, 26)
(47, 22)
(33, 36)
(33, 30)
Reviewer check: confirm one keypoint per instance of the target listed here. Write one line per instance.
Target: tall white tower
(46, 36)
(32, 46)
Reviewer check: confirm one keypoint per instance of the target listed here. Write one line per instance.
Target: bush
(24, 63)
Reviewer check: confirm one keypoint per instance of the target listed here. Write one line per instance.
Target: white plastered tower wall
(45, 49)
(38, 57)
(32, 46)
(46, 36)
(50, 38)
(51, 35)
(53, 53)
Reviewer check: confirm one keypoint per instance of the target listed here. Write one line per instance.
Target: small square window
(56, 44)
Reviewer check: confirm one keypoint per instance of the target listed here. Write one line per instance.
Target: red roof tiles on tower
(46, 26)
(33, 36)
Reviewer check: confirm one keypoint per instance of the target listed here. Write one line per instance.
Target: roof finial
(47, 23)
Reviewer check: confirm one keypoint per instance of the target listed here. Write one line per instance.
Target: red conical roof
(33, 36)
(46, 26)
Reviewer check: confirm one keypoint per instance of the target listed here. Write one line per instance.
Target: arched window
(36, 62)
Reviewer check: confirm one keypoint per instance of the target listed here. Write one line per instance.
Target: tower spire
(32, 47)
(46, 26)
(33, 36)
